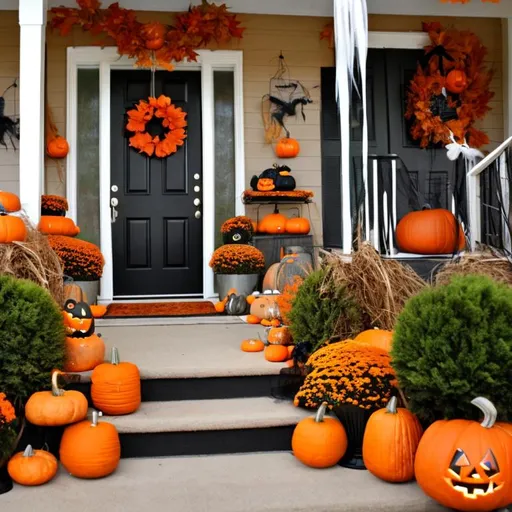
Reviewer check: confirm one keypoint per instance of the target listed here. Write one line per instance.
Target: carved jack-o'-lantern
(78, 319)
(465, 465)
(266, 184)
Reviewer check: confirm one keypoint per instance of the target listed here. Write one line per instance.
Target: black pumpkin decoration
(279, 176)
(237, 305)
(78, 319)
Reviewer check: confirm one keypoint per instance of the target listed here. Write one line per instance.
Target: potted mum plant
(8, 435)
(237, 266)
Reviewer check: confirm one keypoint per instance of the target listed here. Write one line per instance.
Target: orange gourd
(319, 441)
(276, 353)
(98, 310)
(297, 226)
(390, 442)
(465, 465)
(287, 148)
(252, 346)
(273, 223)
(12, 229)
(380, 338)
(279, 336)
(456, 81)
(10, 202)
(253, 319)
(84, 354)
(56, 407)
(57, 147)
(115, 386)
(52, 225)
(32, 467)
(429, 232)
(90, 449)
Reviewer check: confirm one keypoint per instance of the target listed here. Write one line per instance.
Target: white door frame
(107, 59)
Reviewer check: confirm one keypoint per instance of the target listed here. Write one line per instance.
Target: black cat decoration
(276, 179)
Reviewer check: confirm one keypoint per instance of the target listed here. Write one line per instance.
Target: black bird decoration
(9, 128)
(287, 109)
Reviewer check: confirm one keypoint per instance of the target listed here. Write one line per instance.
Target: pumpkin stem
(56, 391)
(321, 413)
(391, 405)
(28, 451)
(114, 358)
(487, 407)
(95, 418)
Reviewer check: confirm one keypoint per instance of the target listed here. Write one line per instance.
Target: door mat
(159, 309)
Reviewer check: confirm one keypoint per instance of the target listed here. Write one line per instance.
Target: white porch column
(507, 76)
(32, 19)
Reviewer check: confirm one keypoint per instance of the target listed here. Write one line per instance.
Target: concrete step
(261, 482)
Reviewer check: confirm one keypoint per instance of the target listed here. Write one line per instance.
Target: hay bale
(380, 286)
(482, 263)
(34, 260)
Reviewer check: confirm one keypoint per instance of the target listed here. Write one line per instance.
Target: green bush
(32, 338)
(453, 343)
(317, 314)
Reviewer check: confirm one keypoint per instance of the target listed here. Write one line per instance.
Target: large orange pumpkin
(377, 338)
(390, 442)
(90, 449)
(84, 354)
(297, 226)
(319, 441)
(10, 202)
(12, 229)
(115, 386)
(273, 223)
(430, 232)
(287, 148)
(52, 225)
(57, 147)
(56, 407)
(456, 81)
(32, 467)
(464, 464)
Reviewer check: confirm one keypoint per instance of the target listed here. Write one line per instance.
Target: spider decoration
(9, 127)
(285, 96)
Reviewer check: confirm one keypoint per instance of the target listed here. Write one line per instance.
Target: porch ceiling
(314, 8)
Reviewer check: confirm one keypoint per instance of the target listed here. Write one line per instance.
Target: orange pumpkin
(265, 185)
(32, 467)
(74, 292)
(377, 338)
(220, 306)
(279, 336)
(90, 449)
(319, 441)
(287, 148)
(429, 232)
(10, 202)
(154, 44)
(12, 229)
(252, 346)
(115, 386)
(98, 310)
(390, 441)
(465, 465)
(57, 147)
(276, 353)
(154, 35)
(52, 225)
(262, 305)
(56, 407)
(84, 354)
(253, 319)
(274, 223)
(297, 226)
(456, 81)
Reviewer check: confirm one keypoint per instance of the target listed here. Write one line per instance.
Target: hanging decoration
(9, 126)
(57, 147)
(151, 44)
(449, 92)
(172, 133)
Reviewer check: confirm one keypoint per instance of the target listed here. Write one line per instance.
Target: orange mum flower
(7, 413)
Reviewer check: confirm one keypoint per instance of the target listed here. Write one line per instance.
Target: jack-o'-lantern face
(266, 184)
(78, 319)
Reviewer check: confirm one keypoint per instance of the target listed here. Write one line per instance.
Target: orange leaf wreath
(173, 122)
(151, 43)
(429, 82)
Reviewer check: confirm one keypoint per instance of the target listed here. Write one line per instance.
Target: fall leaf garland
(151, 43)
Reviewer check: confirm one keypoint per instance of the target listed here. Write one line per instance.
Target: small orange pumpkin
(319, 441)
(279, 336)
(12, 229)
(52, 225)
(154, 35)
(84, 354)
(274, 223)
(220, 306)
(10, 202)
(32, 467)
(376, 337)
(90, 449)
(253, 319)
(98, 310)
(265, 185)
(115, 386)
(276, 353)
(287, 148)
(252, 345)
(57, 147)
(297, 226)
(456, 81)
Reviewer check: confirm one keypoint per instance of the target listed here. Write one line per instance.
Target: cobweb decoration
(9, 127)
(285, 98)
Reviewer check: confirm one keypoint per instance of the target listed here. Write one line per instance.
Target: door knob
(197, 215)
(197, 201)
(114, 202)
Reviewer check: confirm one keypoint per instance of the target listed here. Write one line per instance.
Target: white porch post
(32, 19)
(507, 75)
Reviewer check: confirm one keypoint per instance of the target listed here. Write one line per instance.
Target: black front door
(388, 75)
(157, 239)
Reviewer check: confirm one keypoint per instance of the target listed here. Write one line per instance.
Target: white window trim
(106, 59)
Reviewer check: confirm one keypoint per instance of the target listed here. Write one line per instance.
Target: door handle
(114, 213)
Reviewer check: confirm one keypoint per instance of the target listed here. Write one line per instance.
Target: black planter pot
(5, 480)
(354, 419)
(47, 438)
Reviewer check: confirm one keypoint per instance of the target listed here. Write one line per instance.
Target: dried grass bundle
(34, 260)
(483, 263)
(380, 286)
